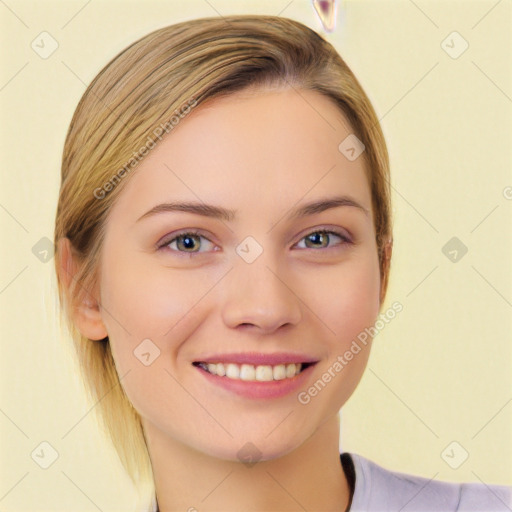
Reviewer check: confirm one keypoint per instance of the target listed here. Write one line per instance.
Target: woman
(223, 238)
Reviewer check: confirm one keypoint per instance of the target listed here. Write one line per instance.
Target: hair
(123, 108)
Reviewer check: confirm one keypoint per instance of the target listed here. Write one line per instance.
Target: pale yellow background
(440, 372)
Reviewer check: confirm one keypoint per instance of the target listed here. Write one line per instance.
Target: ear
(84, 305)
(387, 250)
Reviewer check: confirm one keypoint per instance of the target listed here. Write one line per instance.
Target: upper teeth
(250, 372)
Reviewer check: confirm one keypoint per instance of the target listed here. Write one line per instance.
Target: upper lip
(257, 358)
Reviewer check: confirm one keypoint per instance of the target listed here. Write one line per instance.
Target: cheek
(347, 302)
(144, 301)
(345, 298)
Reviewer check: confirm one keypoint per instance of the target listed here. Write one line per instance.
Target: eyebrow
(217, 212)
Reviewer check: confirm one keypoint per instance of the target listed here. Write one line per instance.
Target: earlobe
(88, 319)
(84, 305)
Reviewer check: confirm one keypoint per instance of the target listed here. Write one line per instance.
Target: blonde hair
(140, 90)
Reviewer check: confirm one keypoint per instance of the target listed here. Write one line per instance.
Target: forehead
(253, 150)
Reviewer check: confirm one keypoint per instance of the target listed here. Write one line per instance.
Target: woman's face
(260, 281)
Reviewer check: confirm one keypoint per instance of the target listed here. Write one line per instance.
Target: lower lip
(259, 390)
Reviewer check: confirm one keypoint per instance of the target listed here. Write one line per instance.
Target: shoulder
(377, 489)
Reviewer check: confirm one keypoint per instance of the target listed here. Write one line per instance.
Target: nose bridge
(257, 292)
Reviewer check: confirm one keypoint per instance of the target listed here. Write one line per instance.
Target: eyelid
(336, 230)
(342, 233)
(170, 237)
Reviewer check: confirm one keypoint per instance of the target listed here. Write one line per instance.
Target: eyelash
(165, 244)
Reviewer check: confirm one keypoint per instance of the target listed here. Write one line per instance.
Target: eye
(190, 241)
(320, 239)
(186, 242)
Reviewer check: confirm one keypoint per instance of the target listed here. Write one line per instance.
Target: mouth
(254, 373)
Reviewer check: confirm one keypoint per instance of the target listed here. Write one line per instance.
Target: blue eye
(322, 237)
(188, 242)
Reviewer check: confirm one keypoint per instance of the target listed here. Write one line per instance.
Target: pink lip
(259, 390)
(257, 358)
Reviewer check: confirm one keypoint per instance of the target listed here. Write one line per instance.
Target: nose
(259, 298)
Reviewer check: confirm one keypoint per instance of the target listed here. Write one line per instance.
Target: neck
(308, 478)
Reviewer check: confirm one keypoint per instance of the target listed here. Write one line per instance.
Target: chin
(247, 451)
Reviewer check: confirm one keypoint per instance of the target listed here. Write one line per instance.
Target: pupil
(188, 242)
(315, 237)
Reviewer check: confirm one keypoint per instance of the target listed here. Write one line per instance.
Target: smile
(249, 372)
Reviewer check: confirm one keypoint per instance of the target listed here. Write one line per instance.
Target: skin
(261, 153)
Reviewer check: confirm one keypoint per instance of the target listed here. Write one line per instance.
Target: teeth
(249, 372)
(221, 369)
(232, 371)
(264, 373)
(279, 372)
